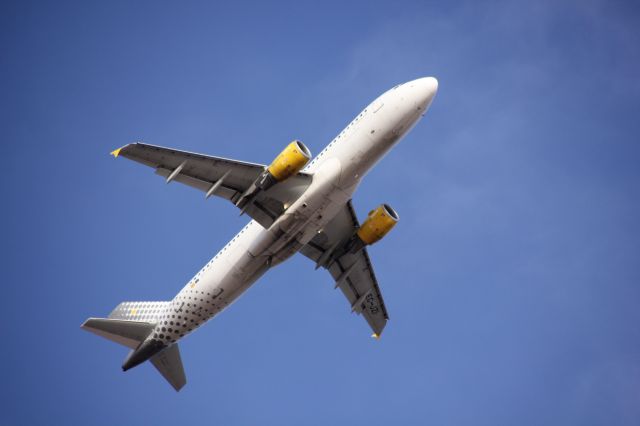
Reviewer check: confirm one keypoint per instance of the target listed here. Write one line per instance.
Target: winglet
(376, 336)
(116, 152)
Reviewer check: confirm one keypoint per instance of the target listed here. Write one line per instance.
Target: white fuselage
(337, 172)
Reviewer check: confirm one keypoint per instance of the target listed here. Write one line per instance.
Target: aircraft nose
(426, 89)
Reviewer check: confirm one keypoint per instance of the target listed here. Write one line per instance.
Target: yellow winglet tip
(116, 152)
(376, 336)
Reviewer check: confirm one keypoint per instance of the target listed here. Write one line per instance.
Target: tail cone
(146, 350)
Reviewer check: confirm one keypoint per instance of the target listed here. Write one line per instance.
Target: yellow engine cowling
(290, 161)
(378, 223)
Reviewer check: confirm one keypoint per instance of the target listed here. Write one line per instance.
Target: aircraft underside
(293, 209)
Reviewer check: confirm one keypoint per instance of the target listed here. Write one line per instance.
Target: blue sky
(512, 280)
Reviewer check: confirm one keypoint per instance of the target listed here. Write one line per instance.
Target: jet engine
(378, 223)
(289, 162)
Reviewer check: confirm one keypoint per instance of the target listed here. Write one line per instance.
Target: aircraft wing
(359, 283)
(222, 177)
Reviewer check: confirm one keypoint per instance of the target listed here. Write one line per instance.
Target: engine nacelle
(290, 161)
(378, 224)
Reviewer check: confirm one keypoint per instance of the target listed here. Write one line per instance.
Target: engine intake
(290, 161)
(378, 224)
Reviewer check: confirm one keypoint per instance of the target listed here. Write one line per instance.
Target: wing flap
(224, 191)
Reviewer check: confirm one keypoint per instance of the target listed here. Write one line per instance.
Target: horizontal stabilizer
(127, 333)
(169, 364)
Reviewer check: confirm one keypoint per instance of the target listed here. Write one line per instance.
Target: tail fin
(123, 327)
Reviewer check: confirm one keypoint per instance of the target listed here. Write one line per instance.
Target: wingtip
(116, 152)
(85, 324)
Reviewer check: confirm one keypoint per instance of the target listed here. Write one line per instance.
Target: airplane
(295, 206)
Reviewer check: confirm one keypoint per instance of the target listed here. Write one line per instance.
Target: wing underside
(221, 177)
(352, 273)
